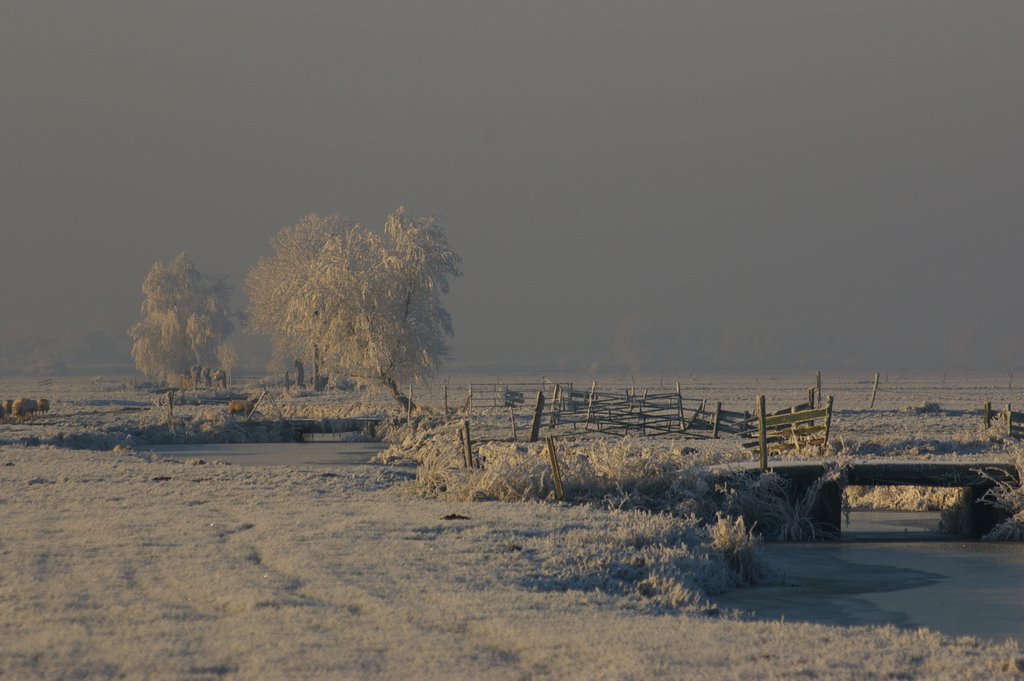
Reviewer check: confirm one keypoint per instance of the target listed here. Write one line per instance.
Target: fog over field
(711, 186)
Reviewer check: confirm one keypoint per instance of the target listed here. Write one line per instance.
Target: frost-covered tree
(185, 316)
(371, 303)
(227, 356)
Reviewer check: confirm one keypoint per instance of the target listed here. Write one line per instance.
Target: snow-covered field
(116, 564)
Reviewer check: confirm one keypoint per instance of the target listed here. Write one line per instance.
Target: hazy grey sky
(704, 185)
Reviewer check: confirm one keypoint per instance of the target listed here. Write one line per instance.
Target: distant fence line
(627, 410)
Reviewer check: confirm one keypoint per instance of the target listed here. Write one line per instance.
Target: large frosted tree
(185, 316)
(370, 303)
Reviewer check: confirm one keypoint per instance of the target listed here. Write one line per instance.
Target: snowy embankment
(114, 566)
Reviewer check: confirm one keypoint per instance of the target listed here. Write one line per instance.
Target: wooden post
(810, 397)
(762, 436)
(817, 384)
(874, 391)
(643, 419)
(1009, 420)
(828, 423)
(538, 414)
(556, 472)
(988, 414)
(792, 428)
(714, 424)
(408, 411)
(467, 445)
(556, 405)
(512, 418)
(256, 406)
(590, 403)
(469, 400)
(679, 403)
(446, 403)
(170, 409)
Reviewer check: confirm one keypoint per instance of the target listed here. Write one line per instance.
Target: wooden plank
(798, 417)
(803, 406)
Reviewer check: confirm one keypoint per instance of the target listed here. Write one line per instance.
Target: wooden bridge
(827, 512)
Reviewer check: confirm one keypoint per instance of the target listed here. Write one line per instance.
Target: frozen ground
(116, 567)
(116, 564)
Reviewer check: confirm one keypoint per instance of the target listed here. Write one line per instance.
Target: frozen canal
(892, 568)
(299, 454)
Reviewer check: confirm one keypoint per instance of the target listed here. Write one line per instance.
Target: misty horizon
(730, 187)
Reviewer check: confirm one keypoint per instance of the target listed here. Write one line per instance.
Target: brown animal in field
(243, 407)
(5, 407)
(42, 405)
(22, 408)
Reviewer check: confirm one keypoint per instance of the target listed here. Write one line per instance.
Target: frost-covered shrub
(741, 550)
(926, 407)
(621, 473)
(901, 497)
(660, 559)
(773, 502)
(1008, 495)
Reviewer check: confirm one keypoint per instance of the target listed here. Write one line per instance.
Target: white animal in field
(243, 407)
(22, 408)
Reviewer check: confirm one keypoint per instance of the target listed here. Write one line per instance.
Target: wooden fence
(628, 410)
(796, 428)
(1013, 421)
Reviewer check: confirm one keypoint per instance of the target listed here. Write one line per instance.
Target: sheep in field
(42, 405)
(243, 407)
(22, 408)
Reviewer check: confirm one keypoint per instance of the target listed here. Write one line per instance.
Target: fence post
(446, 403)
(718, 412)
(817, 383)
(556, 405)
(1009, 420)
(762, 436)
(643, 419)
(512, 418)
(408, 415)
(828, 423)
(988, 414)
(538, 414)
(556, 472)
(874, 391)
(590, 403)
(170, 409)
(679, 402)
(467, 444)
(810, 397)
